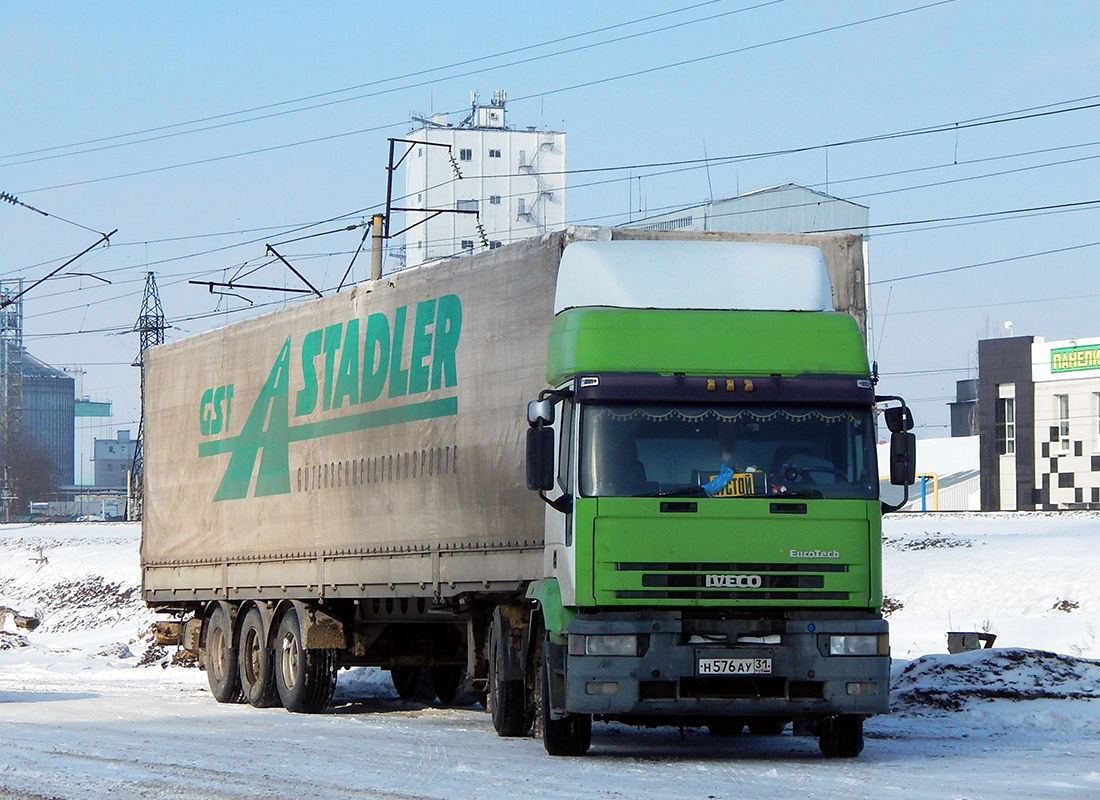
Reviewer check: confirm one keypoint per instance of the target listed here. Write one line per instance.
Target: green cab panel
(694, 342)
(734, 553)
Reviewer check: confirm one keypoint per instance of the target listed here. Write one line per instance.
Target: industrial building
(113, 460)
(92, 423)
(47, 416)
(780, 209)
(1039, 423)
(480, 184)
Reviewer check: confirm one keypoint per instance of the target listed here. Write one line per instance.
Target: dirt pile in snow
(82, 582)
(954, 683)
(10, 641)
(83, 603)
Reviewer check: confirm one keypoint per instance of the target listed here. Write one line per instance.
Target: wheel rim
(217, 648)
(251, 656)
(290, 662)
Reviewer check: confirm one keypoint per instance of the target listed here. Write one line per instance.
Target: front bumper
(667, 676)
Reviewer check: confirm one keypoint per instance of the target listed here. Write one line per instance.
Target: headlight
(859, 645)
(607, 644)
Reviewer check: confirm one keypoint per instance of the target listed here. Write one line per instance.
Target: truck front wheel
(219, 657)
(569, 736)
(841, 736)
(305, 679)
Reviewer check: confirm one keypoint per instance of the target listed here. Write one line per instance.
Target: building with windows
(1039, 423)
(480, 184)
(113, 460)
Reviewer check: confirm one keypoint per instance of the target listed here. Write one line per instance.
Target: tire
(569, 736)
(305, 679)
(219, 657)
(729, 726)
(412, 683)
(841, 736)
(506, 699)
(256, 662)
(767, 727)
(446, 681)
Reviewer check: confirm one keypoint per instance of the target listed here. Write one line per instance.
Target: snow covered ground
(83, 718)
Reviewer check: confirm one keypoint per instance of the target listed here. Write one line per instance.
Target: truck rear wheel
(412, 683)
(446, 681)
(219, 657)
(507, 701)
(257, 662)
(841, 736)
(305, 679)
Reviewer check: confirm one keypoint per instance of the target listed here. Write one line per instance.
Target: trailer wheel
(841, 736)
(569, 736)
(219, 657)
(412, 683)
(257, 662)
(305, 679)
(446, 681)
(506, 699)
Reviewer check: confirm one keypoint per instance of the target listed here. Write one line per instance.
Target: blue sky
(765, 76)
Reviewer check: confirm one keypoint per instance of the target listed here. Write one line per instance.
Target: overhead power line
(965, 218)
(162, 128)
(178, 280)
(983, 215)
(1027, 302)
(7, 197)
(984, 263)
(537, 95)
(656, 212)
(713, 161)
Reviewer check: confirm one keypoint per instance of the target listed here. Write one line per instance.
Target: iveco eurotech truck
(600, 475)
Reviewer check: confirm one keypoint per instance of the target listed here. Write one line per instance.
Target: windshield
(731, 451)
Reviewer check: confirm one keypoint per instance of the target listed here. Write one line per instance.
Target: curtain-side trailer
(348, 481)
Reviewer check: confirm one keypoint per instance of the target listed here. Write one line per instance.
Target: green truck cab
(714, 534)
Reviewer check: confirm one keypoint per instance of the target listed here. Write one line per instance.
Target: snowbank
(1029, 578)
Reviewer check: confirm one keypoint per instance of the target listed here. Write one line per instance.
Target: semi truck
(609, 475)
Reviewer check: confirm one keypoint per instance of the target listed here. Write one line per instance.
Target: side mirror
(540, 412)
(898, 419)
(903, 458)
(540, 458)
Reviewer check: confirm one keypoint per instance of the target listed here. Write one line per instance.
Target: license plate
(735, 666)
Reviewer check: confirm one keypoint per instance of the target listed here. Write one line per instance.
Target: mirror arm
(557, 394)
(562, 504)
(887, 507)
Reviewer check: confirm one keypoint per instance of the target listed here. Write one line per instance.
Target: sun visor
(691, 274)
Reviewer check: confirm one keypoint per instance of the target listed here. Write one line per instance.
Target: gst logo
(214, 410)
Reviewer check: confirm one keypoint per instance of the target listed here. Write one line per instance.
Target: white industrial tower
(513, 179)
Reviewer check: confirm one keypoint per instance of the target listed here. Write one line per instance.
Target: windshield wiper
(689, 490)
(805, 493)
